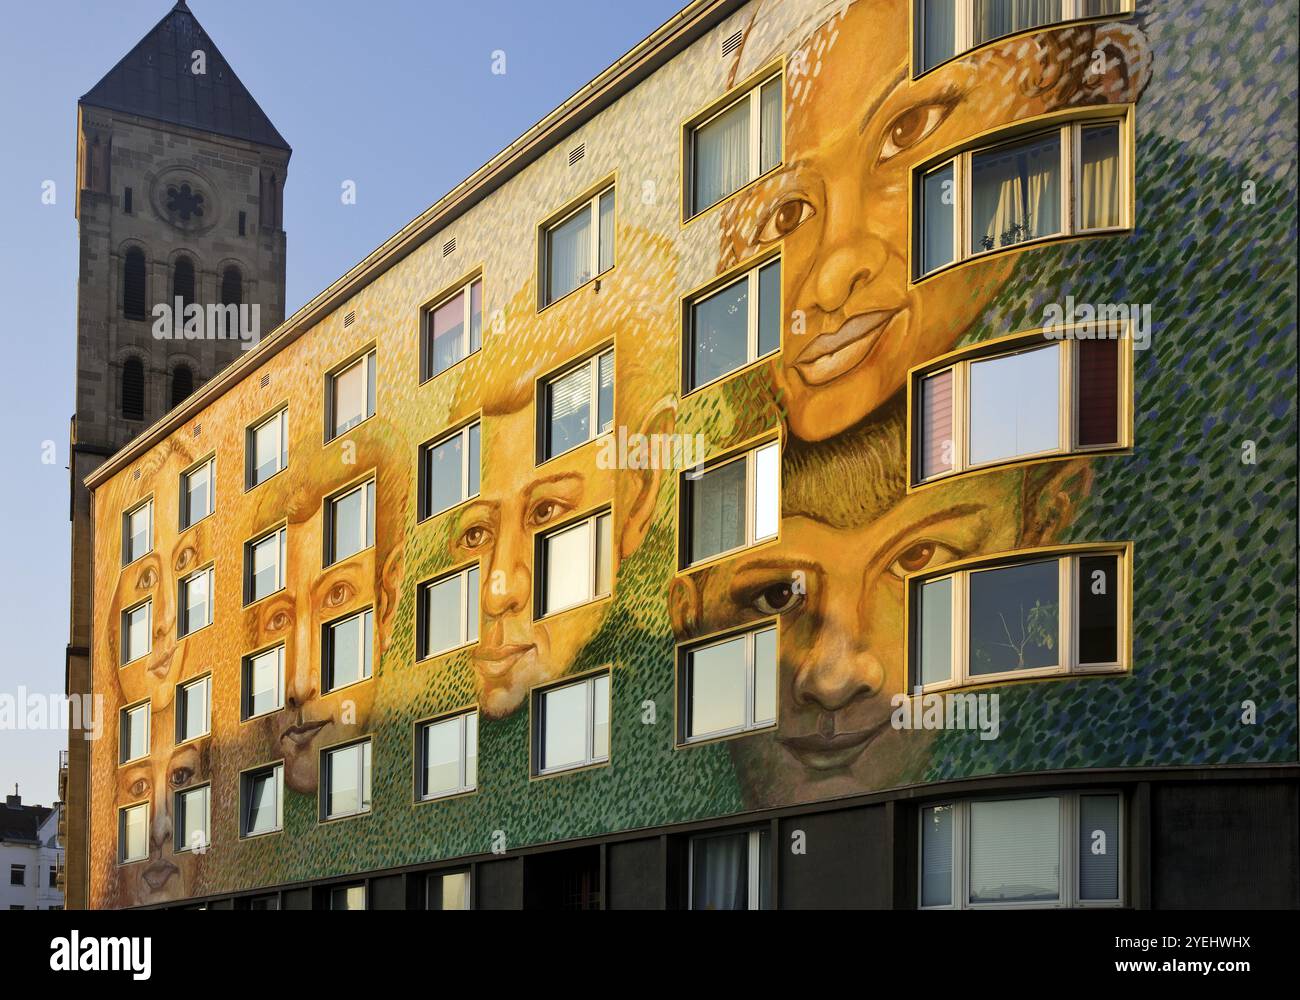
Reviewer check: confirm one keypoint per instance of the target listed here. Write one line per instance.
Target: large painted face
(854, 131)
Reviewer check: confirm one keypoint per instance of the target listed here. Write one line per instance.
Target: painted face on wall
(855, 128)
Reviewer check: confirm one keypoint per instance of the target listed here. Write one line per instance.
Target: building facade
(841, 457)
(31, 856)
(180, 204)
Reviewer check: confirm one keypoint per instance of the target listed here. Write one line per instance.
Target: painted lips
(157, 874)
(827, 750)
(830, 355)
(497, 660)
(303, 733)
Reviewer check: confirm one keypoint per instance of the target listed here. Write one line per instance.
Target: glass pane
(136, 832)
(568, 255)
(994, 18)
(938, 209)
(565, 715)
(194, 819)
(769, 308)
(445, 472)
(938, 31)
(937, 448)
(263, 809)
(1015, 851)
(350, 530)
(447, 334)
(197, 593)
(1099, 182)
(765, 670)
(1099, 8)
(266, 681)
(471, 749)
(344, 791)
(1016, 193)
(605, 393)
(267, 449)
(266, 567)
(770, 127)
(606, 231)
(1098, 609)
(198, 494)
(475, 316)
(568, 567)
(350, 397)
(194, 705)
(1014, 618)
(442, 747)
(138, 532)
(720, 872)
(350, 651)
(455, 891)
(604, 554)
(719, 327)
(767, 491)
(1099, 847)
(936, 856)
(936, 631)
(720, 155)
(1015, 405)
(472, 437)
(137, 733)
(365, 775)
(568, 410)
(717, 510)
(600, 715)
(351, 898)
(717, 687)
(443, 615)
(1098, 392)
(137, 632)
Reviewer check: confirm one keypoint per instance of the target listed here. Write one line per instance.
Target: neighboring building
(581, 546)
(180, 196)
(31, 856)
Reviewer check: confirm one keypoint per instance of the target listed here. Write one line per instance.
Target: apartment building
(31, 856)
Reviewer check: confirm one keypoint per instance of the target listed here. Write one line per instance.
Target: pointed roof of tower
(156, 80)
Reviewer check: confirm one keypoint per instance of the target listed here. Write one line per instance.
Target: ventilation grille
(265, 380)
(732, 42)
(135, 475)
(349, 319)
(577, 153)
(449, 247)
(198, 429)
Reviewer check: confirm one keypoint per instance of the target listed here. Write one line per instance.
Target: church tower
(180, 178)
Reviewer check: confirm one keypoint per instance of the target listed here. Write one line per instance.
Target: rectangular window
(571, 725)
(575, 564)
(17, 874)
(449, 891)
(448, 755)
(195, 602)
(734, 325)
(261, 807)
(243, 223)
(133, 833)
(128, 201)
(729, 146)
(194, 709)
(1069, 180)
(133, 740)
(1058, 398)
(137, 532)
(577, 405)
(198, 492)
(351, 523)
(1042, 617)
(453, 329)
(578, 247)
(348, 650)
(731, 504)
(731, 871)
(348, 897)
(1048, 851)
(728, 686)
(193, 816)
(264, 903)
(264, 566)
(346, 785)
(263, 682)
(447, 613)
(350, 395)
(137, 631)
(267, 448)
(449, 470)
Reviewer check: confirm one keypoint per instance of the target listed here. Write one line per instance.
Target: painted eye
(919, 555)
(546, 510)
(279, 621)
(147, 579)
(777, 598)
(475, 536)
(910, 127)
(185, 558)
(338, 594)
(138, 788)
(784, 219)
(181, 776)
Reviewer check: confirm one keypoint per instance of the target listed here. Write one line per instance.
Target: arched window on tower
(183, 282)
(133, 389)
(182, 384)
(232, 286)
(133, 294)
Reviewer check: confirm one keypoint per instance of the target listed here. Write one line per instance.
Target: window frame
(144, 505)
(368, 357)
(543, 402)
(463, 287)
(182, 691)
(754, 889)
(541, 561)
(439, 876)
(365, 895)
(537, 723)
(178, 811)
(123, 742)
(422, 590)
(326, 773)
(586, 203)
(686, 492)
(211, 464)
(749, 272)
(183, 626)
(750, 90)
(125, 651)
(281, 415)
(275, 770)
(250, 547)
(122, 858)
(424, 459)
(246, 682)
(683, 678)
(367, 644)
(329, 557)
(464, 787)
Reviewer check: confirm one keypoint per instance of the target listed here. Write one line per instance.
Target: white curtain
(718, 510)
(721, 872)
(1099, 185)
(770, 127)
(606, 231)
(569, 255)
(938, 31)
(994, 18)
(1016, 194)
(721, 156)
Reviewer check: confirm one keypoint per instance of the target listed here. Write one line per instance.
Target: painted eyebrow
(565, 478)
(950, 514)
(880, 99)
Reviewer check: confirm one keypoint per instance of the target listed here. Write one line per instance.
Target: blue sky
(397, 95)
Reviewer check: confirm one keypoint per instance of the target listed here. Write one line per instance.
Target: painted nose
(837, 672)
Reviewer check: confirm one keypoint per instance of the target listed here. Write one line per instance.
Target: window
(453, 330)
(449, 891)
(348, 650)
(346, 788)
(137, 631)
(728, 686)
(577, 405)
(133, 730)
(1048, 851)
(571, 726)
(734, 325)
(133, 833)
(137, 532)
(1045, 399)
(198, 492)
(348, 897)
(731, 504)
(575, 564)
(448, 755)
(1058, 614)
(449, 470)
(263, 682)
(243, 223)
(195, 602)
(128, 201)
(264, 565)
(261, 808)
(351, 523)
(350, 396)
(1062, 182)
(268, 902)
(731, 871)
(132, 389)
(133, 285)
(194, 709)
(17, 875)
(578, 247)
(267, 448)
(182, 384)
(232, 286)
(947, 28)
(193, 815)
(183, 282)
(730, 146)
(448, 613)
